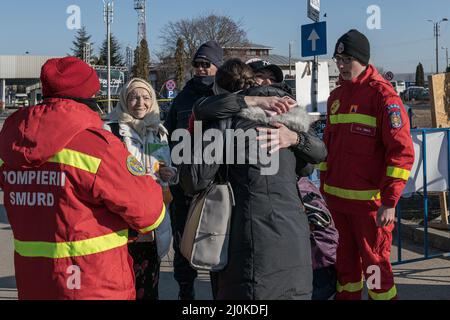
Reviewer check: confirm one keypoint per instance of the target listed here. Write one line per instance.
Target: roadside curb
(437, 239)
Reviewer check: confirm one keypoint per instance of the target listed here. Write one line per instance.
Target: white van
(399, 86)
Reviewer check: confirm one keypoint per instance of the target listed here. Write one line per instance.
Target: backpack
(324, 235)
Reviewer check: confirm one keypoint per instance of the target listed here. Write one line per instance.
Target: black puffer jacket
(311, 150)
(269, 251)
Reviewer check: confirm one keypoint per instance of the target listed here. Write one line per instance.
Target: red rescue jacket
(71, 192)
(370, 151)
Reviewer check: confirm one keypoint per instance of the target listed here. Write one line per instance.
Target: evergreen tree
(180, 63)
(98, 61)
(78, 44)
(116, 56)
(141, 67)
(420, 76)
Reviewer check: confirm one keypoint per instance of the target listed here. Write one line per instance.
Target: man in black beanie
(370, 155)
(354, 48)
(208, 58)
(205, 62)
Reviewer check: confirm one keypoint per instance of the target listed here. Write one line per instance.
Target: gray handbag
(207, 231)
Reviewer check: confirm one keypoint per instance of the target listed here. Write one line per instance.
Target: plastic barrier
(424, 133)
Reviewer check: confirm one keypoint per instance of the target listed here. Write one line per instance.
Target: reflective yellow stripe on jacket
(399, 173)
(157, 223)
(350, 286)
(323, 166)
(73, 248)
(354, 118)
(367, 195)
(389, 295)
(77, 160)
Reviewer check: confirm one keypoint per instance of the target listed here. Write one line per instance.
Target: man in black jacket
(207, 60)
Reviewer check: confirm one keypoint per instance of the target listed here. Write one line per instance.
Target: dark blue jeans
(324, 283)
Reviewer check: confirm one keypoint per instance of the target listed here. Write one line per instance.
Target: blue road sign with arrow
(314, 39)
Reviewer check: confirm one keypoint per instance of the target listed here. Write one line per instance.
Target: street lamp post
(108, 11)
(87, 52)
(436, 34)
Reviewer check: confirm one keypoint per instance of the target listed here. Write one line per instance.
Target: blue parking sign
(314, 39)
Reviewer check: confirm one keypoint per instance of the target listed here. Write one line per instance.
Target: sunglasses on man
(202, 64)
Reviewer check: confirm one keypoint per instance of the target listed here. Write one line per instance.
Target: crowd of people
(94, 206)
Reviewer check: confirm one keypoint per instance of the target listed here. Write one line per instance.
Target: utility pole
(436, 35)
(108, 12)
(446, 57)
(290, 55)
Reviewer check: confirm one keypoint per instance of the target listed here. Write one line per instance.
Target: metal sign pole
(315, 84)
(314, 14)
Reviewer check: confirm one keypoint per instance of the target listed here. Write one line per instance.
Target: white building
(19, 70)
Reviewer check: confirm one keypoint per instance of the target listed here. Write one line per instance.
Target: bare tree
(198, 30)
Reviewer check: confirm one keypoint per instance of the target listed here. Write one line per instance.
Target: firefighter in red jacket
(370, 155)
(72, 191)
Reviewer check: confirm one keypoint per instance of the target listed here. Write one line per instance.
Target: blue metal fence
(426, 255)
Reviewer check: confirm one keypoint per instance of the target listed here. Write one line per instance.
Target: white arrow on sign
(313, 37)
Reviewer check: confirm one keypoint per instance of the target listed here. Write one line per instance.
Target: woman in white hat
(136, 121)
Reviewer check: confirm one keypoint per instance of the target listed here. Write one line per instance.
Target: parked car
(424, 94)
(21, 100)
(413, 93)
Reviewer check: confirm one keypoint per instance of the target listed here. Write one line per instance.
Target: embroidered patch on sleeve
(396, 119)
(393, 107)
(134, 166)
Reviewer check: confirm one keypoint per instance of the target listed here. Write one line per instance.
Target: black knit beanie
(354, 44)
(210, 51)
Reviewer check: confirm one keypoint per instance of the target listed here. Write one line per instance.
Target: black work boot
(186, 291)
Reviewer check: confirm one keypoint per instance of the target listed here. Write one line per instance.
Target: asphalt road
(423, 280)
